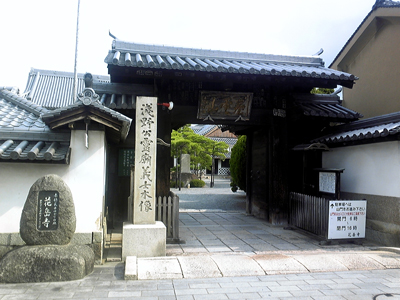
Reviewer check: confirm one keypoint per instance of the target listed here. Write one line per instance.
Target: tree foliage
(201, 149)
(322, 91)
(238, 165)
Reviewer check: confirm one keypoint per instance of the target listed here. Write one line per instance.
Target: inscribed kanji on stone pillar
(145, 161)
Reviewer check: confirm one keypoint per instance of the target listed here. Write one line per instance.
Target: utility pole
(75, 86)
(180, 170)
(212, 167)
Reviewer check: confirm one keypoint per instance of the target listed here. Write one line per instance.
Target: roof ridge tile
(125, 46)
(22, 102)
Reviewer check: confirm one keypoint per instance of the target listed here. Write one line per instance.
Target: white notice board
(327, 182)
(347, 219)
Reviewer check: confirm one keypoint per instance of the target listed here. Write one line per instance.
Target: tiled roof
(385, 3)
(24, 135)
(16, 99)
(11, 150)
(53, 89)
(93, 104)
(326, 106)
(203, 129)
(12, 117)
(328, 110)
(20, 118)
(230, 141)
(96, 105)
(368, 130)
(174, 58)
(118, 101)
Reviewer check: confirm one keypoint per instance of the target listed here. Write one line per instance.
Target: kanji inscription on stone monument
(145, 161)
(47, 213)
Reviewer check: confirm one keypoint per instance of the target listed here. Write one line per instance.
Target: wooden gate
(167, 211)
(310, 213)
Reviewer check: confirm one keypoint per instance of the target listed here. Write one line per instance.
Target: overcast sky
(41, 33)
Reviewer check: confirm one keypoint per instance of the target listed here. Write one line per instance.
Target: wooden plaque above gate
(224, 105)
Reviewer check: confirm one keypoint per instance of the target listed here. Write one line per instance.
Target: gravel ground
(218, 198)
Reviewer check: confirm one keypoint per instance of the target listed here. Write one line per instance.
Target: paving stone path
(229, 255)
(218, 198)
(106, 282)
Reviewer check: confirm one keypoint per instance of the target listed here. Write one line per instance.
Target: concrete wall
(372, 172)
(85, 176)
(372, 55)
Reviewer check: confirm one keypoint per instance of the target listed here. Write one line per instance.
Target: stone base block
(131, 268)
(46, 263)
(148, 240)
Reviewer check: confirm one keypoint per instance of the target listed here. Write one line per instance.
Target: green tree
(238, 165)
(321, 91)
(202, 150)
(179, 141)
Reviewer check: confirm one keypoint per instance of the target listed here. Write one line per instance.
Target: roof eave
(93, 111)
(365, 30)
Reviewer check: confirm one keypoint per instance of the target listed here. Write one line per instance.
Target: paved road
(218, 198)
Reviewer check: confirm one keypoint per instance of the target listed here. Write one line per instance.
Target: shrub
(197, 183)
(234, 187)
(173, 184)
(238, 165)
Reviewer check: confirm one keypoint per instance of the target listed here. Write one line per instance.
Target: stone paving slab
(106, 282)
(359, 262)
(279, 264)
(249, 264)
(320, 262)
(237, 265)
(157, 268)
(390, 261)
(199, 267)
(235, 244)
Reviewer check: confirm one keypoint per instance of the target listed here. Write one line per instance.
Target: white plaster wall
(369, 169)
(86, 179)
(85, 176)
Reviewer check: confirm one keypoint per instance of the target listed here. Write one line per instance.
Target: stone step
(113, 254)
(228, 265)
(115, 243)
(114, 240)
(116, 236)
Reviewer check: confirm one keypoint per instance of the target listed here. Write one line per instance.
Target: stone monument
(47, 226)
(144, 237)
(185, 175)
(185, 163)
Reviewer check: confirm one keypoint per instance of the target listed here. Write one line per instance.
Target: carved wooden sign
(224, 105)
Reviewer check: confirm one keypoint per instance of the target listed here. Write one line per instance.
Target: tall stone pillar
(145, 161)
(144, 237)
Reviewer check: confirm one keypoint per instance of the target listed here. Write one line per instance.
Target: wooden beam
(66, 120)
(105, 116)
(105, 122)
